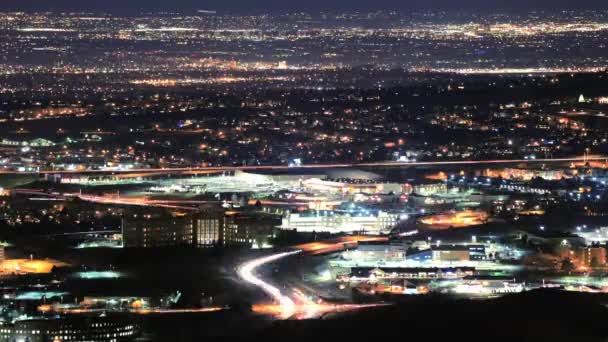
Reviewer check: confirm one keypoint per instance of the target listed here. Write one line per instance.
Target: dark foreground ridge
(543, 315)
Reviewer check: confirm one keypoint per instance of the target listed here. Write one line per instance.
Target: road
(295, 306)
(246, 272)
(139, 201)
(113, 199)
(311, 166)
(79, 310)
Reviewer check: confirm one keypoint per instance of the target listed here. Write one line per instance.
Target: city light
(173, 172)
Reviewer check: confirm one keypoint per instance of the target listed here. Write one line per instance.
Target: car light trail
(191, 169)
(142, 202)
(245, 271)
(300, 307)
(75, 311)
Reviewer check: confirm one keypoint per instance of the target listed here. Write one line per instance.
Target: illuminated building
(209, 230)
(72, 328)
(365, 273)
(159, 230)
(451, 253)
(428, 189)
(116, 302)
(32, 143)
(337, 222)
(380, 250)
(593, 256)
(391, 286)
(457, 219)
(526, 174)
(522, 187)
(376, 198)
(352, 186)
(231, 228)
(477, 252)
(481, 285)
(29, 266)
(595, 236)
(202, 229)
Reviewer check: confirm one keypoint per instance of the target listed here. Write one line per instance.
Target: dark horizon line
(212, 11)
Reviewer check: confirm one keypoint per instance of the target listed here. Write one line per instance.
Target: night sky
(269, 5)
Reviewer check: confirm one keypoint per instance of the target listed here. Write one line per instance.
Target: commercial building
(431, 188)
(379, 250)
(203, 229)
(450, 253)
(487, 285)
(232, 228)
(359, 273)
(364, 221)
(162, 229)
(526, 174)
(352, 186)
(457, 219)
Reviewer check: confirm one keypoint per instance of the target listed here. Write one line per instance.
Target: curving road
(299, 305)
(246, 272)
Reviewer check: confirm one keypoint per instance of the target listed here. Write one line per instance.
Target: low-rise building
(364, 221)
(72, 328)
(451, 253)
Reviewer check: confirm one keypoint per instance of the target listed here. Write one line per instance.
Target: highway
(138, 201)
(246, 272)
(79, 310)
(207, 169)
(296, 306)
(113, 199)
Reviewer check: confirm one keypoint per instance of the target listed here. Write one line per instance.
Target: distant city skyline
(313, 5)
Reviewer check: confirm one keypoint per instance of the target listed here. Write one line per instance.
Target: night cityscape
(190, 170)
